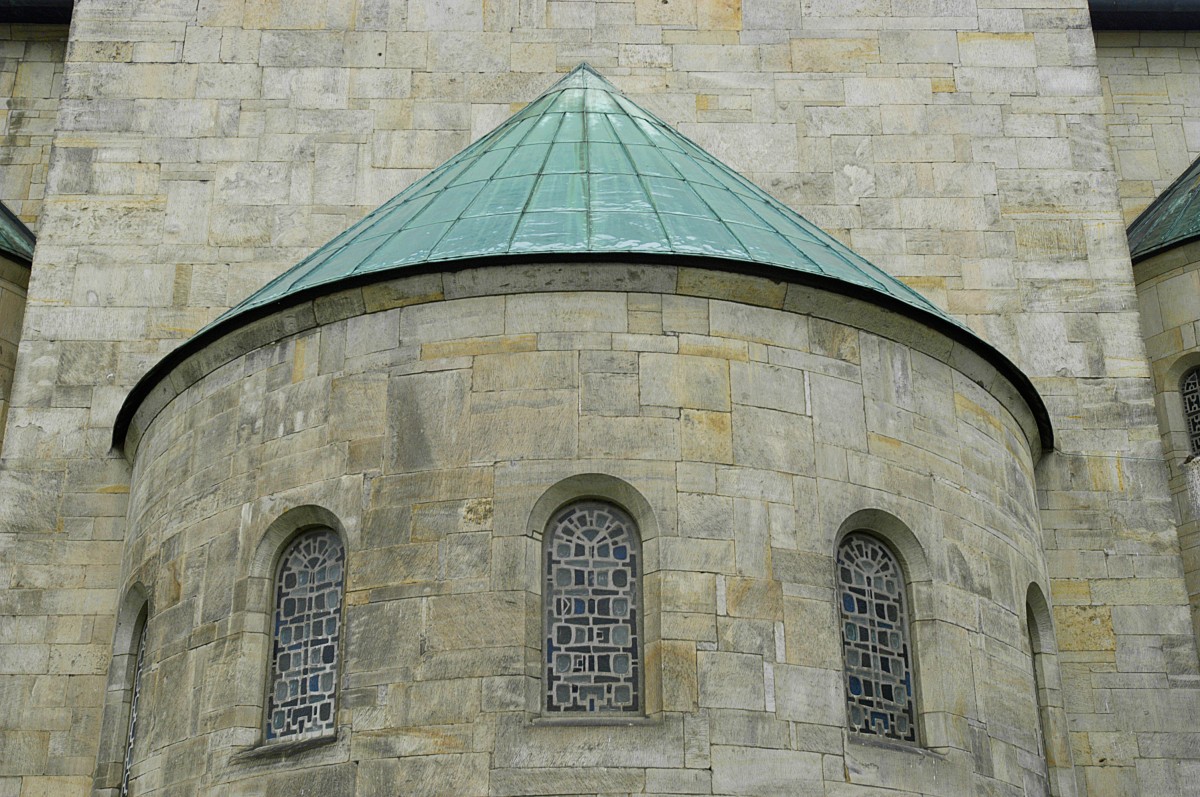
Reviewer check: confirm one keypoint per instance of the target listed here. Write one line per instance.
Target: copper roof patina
(16, 240)
(1171, 220)
(582, 170)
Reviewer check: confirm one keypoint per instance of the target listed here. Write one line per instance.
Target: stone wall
(434, 433)
(962, 146)
(31, 75)
(1169, 295)
(1151, 85)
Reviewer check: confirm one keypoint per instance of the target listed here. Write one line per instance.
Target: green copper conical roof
(1171, 220)
(581, 170)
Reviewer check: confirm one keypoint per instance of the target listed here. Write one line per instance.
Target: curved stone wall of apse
(1168, 287)
(438, 422)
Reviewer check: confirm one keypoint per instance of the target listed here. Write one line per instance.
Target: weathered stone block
(684, 381)
(731, 680)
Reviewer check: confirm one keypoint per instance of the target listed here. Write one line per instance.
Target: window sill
(601, 720)
(267, 751)
(876, 742)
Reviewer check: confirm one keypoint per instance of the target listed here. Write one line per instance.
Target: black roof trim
(1145, 14)
(43, 12)
(959, 334)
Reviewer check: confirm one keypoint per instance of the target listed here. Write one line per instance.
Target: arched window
(306, 631)
(1039, 687)
(135, 692)
(875, 642)
(1189, 390)
(591, 600)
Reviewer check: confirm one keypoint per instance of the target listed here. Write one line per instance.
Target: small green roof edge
(15, 238)
(1170, 220)
(582, 169)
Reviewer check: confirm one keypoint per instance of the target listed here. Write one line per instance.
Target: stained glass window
(131, 736)
(879, 684)
(307, 627)
(591, 599)
(1189, 388)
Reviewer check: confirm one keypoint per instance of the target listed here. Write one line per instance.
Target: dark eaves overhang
(1145, 14)
(43, 12)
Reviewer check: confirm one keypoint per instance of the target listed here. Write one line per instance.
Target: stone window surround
(1175, 418)
(264, 566)
(133, 617)
(913, 563)
(613, 490)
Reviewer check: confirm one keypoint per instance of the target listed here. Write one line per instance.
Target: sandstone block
(684, 381)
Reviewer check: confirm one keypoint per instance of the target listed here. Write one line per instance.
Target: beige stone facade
(1151, 85)
(985, 153)
(31, 74)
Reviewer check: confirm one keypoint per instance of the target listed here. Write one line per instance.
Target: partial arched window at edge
(880, 698)
(1189, 390)
(306, 631)
(135, 693)
(591, 600)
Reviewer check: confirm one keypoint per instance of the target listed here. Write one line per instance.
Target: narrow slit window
(1039, 690)
(134, 696)
(1189, 389)
(875, 642)
(306, 633)
(592, 601)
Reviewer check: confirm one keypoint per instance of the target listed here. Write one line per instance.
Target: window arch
(1189, 391)
(592, 608)
(306, 632)
(135, 693)
(880, 692)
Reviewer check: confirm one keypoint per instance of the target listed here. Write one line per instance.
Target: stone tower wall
(1151, 83)
(202, 149)
(744, 439)
(31, 75)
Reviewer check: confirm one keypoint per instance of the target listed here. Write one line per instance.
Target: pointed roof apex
(583, 171)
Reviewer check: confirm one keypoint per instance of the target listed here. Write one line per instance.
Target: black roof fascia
(43, 12)
(1145, 14)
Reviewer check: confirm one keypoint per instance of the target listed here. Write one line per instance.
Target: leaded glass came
(879, 684)
(591, 599)
(1189, 388)
(136, 693)
(307, 627)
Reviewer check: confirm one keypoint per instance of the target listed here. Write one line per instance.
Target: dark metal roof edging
(1153, 209)
(954, 332)
(23, 234)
